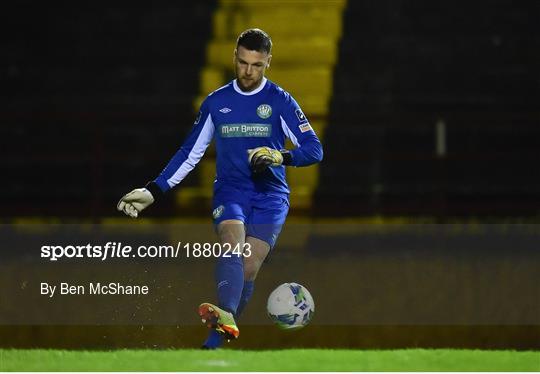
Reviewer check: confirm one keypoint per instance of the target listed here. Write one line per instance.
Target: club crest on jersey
(264, 111)
(218, 212)
(301, 116)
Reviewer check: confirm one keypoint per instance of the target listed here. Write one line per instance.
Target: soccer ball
(290, 306)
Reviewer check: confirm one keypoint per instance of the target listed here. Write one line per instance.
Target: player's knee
(231, 231)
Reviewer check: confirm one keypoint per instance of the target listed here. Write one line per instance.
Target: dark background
(95, 98)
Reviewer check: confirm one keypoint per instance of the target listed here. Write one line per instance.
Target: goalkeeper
(249, 119)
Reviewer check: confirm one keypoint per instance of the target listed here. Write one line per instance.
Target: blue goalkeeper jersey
(239, 121)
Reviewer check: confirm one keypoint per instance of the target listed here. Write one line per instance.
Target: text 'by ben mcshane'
(93, 288)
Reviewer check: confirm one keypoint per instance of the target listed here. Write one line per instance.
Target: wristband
(154, 190)
(287, 157)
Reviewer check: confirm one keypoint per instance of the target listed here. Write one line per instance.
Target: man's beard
(249, 85)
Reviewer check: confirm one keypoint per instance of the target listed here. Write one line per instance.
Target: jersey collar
(255, 91)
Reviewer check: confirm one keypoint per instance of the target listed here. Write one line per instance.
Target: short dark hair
(255, 40)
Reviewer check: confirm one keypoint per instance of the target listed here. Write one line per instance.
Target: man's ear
(268, 62)
(234, 55)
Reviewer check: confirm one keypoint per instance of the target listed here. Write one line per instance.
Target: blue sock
(214, 340)
(247, 291)
(230, 281)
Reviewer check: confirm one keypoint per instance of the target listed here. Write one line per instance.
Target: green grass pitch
(278, 360)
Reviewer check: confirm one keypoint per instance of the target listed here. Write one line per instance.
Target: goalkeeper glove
(262, 157)
(135, 202)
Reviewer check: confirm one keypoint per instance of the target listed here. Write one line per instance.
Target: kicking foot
(220, 320)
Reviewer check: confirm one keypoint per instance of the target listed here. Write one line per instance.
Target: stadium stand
(303, 61)
(94, 101)
(412, 72)
(421, 111)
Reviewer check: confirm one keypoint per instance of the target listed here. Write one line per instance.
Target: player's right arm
(176, 170)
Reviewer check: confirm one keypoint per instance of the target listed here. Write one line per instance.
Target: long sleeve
(189, 153)
(296, 127)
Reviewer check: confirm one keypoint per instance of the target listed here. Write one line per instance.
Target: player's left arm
(297, 128)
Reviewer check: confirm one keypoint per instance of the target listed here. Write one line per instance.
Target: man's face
(250, 67)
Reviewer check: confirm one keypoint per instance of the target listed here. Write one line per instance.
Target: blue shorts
(262, 214)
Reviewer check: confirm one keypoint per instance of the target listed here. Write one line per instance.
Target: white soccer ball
(290, 306)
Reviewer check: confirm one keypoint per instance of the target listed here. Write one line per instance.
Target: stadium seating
(404, 67)
(95, 100)
(306, 37)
